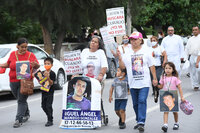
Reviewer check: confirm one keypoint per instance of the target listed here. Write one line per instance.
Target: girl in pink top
(170, 81)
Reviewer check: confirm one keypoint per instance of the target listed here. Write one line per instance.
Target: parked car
(58, 67)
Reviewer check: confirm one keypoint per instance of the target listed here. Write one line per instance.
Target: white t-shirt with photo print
(97, 59)
(137, 65)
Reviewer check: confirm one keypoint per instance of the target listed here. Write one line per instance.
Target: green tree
(182, 14)
(11, 29)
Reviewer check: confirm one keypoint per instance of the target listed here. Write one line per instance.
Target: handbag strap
(27, 59)
(18, 58)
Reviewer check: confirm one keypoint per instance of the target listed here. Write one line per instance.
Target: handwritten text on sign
(116, 21)
(73, 62)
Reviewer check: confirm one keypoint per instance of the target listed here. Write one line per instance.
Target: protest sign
(107, 38)
(73, 62)
(42, 81)
(116, 21)
(23, 69)
(169, 101)
(81, 104)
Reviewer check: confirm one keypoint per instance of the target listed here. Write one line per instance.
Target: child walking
(120, 87)
(170, 81)
(47, 97)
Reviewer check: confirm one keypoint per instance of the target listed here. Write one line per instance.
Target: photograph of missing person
(121, 90)
(90, 70)
(137, 65)
(39, 76)
(42, 80)
(79, 94)
(169, 101)
(23, 69)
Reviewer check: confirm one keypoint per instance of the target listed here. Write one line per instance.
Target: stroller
(104, 117)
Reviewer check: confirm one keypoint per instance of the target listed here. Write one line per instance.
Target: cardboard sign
(169, 101)
(81, 104)
(73, 62)
(107, 38)
(116, 21)
(23, 70)
(42, 80)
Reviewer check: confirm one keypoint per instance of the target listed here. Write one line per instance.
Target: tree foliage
(11, 29)
(182, 14)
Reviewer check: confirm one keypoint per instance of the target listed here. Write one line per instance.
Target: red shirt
(12, 63)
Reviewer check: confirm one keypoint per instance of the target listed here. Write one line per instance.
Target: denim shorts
(120, 104)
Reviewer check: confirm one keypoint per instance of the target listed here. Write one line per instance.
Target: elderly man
(192, 50)
(173, 45)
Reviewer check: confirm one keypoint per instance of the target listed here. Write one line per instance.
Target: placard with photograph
(42, 80)
(81, 104)
(23, 70)
(169, 101)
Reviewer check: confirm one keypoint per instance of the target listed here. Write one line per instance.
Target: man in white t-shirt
(173, 45)
(192, 50)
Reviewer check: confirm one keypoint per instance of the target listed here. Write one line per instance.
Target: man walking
(192, 50)
(173, 44)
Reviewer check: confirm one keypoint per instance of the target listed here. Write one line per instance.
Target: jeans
(139, 98)
(22, 105)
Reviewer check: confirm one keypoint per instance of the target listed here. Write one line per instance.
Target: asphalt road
(154, 121)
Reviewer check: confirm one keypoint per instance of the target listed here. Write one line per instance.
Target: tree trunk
(140, 29)
(58, 44)
(128, 18)
(48, 47)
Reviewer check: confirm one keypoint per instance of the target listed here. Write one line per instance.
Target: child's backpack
(187, 107)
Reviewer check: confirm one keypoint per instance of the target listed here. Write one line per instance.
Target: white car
(58, 67)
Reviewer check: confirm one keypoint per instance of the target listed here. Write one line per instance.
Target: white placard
(85, 113)
(107, 38)
(72, 61)
(116, 21)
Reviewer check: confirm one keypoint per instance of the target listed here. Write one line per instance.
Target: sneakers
(141, 127)
(136, 126)
(25, 118)
(49, 123)
(122, 125)
(164, 128)
(17, 124)
(176, 127)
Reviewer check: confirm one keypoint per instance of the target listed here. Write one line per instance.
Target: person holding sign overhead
(16, 56)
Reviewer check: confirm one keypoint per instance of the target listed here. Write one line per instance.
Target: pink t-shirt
(169, 82)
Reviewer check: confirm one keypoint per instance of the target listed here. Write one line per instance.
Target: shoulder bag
(26, 85)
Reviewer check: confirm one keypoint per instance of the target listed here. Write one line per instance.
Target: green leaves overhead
(182, 14)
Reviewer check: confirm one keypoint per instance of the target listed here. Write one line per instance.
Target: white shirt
(173, 46)
(98, 59)
(157, 54)
(193, 45)
(125, 48)
(137, 65)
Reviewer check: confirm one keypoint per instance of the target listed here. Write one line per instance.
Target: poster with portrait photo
(23, 69)
(42, 81)
(81, 104)
(169, 101)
